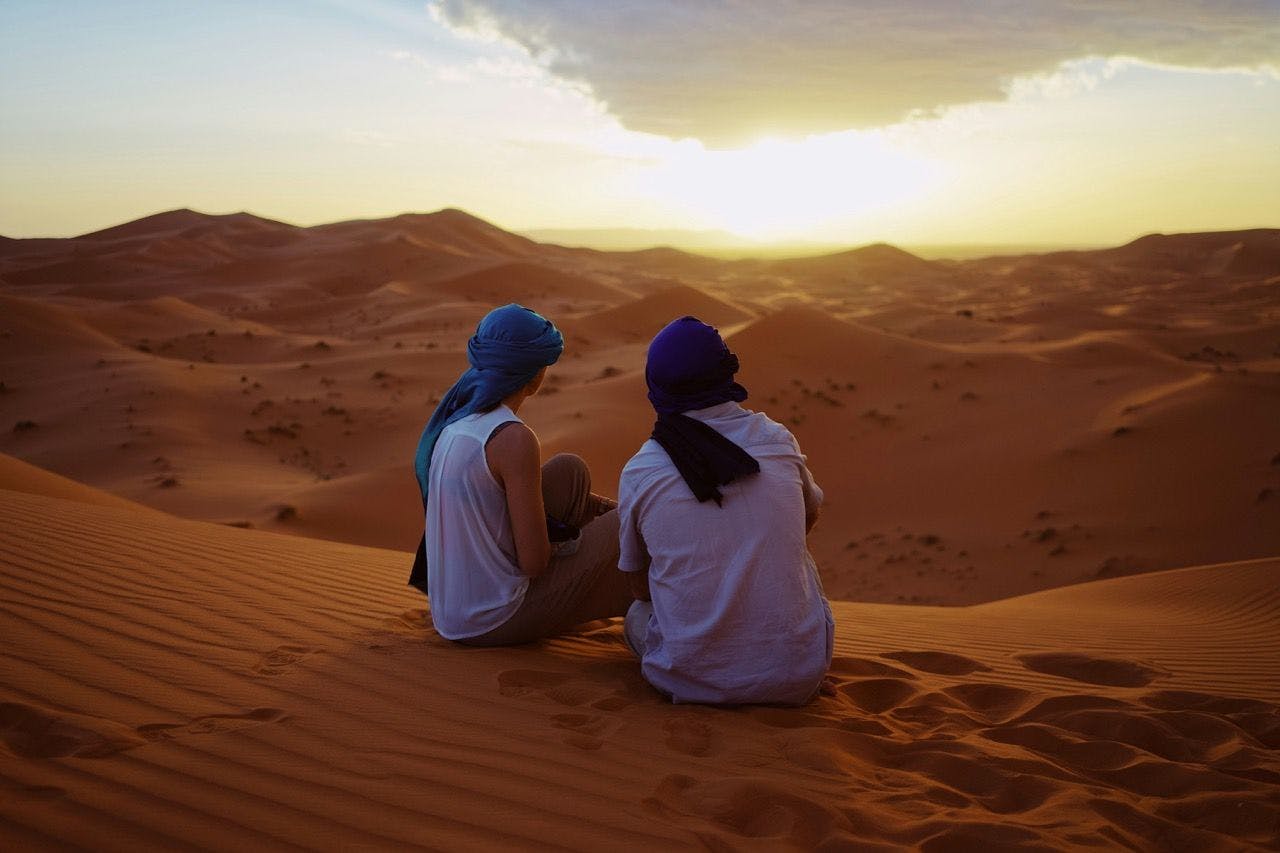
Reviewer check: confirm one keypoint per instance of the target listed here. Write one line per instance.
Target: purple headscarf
(689, 367)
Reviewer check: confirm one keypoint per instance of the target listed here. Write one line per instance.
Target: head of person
(512, 349)
(690, 367)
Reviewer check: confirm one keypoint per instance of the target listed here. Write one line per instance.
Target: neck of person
(514, 400)
(517, 399)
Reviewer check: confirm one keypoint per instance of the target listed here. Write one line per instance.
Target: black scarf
(704, 457)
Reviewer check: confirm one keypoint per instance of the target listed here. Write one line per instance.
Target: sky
(833, 121)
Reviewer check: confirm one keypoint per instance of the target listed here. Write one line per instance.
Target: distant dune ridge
(1039, 419)
(1049, 438)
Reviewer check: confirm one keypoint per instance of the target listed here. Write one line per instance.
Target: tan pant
(577, 587)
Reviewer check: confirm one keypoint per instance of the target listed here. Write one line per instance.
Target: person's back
(513, 549)
(714, 510)
(467, 524)
(738, 613)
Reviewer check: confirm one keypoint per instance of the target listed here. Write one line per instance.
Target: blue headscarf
(510, 346)
(689, 367)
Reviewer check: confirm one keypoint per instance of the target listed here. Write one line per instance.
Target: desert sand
(1052, 537)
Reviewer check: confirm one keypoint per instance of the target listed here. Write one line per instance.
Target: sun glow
(782, 188)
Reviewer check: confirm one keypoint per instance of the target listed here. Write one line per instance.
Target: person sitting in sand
(512, 551)
(715, 508)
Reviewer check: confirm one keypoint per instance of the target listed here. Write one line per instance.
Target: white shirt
(739, 615)
(475, 581)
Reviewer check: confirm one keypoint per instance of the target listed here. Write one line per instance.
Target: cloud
(729, 71)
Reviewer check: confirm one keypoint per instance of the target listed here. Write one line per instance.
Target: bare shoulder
(514, 437)
(512, 444)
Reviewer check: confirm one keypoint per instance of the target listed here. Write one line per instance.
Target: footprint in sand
(33, 732)
(281, 659)
(870, 686)
(211, 724)
(999, 786)
(554, 685)
(819, 715)
(411, 621)
(938, 663)
(1091, 669)
(877, 695)
(585, 731)
(605, 686)
(1258, 719)
(854, 667)
(993, 703)
(693, 737)
(744, 808)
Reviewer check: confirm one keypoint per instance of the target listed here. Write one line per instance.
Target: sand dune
(928, 444)
(161, 317)
(18, 476)
(878, 262)
(451, 230)
(31, 326)
(982, 428)
(532, 283)
(183, 220)
(999, 432)
(1229, 252)
(169, 683)
(369, 508)
(638, 320)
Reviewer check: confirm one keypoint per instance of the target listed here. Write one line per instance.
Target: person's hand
(828, 686)
(559, 531)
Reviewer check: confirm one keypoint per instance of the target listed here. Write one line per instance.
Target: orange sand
(170, 682)
(983, 430)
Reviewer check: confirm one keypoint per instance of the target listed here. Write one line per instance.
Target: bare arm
(600, 504)
(513, 455)
(811, 518)
(812, 499)
(809, 490)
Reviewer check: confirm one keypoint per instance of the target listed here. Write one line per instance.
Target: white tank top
(475, 582)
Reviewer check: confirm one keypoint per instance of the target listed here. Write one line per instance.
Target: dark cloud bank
(729, 70)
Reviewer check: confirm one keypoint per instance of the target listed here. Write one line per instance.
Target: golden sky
(839, 122)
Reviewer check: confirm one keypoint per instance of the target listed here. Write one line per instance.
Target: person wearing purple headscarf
(715, 508)
(512, 551)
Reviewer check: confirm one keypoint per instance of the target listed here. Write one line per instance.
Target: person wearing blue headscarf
(512, 550)
(715, 508)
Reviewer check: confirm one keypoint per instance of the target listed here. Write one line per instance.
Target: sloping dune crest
(639, 320)
(19, 476)
(521, 280)
(169, 683)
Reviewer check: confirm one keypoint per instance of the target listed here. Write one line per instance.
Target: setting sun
(854, 129)
(779, 189)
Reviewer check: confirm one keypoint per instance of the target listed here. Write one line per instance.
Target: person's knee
(567, 465)
(566, 487)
